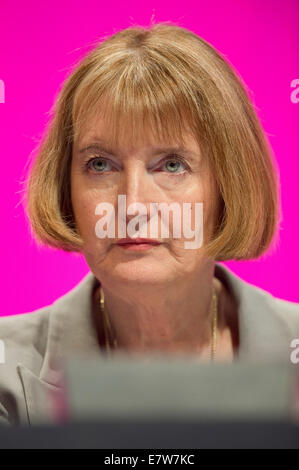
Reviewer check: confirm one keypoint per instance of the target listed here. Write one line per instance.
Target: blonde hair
(167, 79)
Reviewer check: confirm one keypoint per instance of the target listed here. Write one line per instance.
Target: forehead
(97, 133)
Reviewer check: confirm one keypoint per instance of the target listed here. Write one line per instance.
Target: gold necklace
(113, 341)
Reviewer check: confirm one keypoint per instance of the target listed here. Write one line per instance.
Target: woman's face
(146, 175)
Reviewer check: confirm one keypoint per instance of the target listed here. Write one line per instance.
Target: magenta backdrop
(39, 42)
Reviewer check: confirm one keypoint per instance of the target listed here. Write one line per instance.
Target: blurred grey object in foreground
(172, 388)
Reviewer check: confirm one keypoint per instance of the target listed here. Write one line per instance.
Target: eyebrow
(104, 147)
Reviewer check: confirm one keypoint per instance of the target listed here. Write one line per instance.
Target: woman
(156, 116)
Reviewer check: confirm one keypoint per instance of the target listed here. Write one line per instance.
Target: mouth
(138, 241)
(137, 244)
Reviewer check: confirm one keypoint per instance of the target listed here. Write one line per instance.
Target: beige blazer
(35, 343)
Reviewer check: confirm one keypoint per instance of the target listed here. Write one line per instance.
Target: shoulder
(26, 329)
(34, 344)
(287, 311)
(267, 324)
(23, 340)
(265, 302)
(270, 308)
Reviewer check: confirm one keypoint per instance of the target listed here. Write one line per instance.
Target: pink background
(39, 42)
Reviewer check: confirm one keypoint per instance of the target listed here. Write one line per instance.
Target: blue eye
(173, 164)
(97, 164)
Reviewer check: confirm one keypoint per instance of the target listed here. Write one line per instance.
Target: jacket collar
(71, 332)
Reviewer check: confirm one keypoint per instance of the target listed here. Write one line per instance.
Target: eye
(174, 163)
(98, 164)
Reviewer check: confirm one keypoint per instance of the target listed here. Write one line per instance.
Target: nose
(136, 185)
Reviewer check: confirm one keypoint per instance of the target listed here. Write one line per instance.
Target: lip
(138, 241)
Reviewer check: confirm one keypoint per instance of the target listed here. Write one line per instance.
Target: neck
(177, 319)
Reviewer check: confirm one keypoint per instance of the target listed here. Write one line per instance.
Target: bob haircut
(168, 80)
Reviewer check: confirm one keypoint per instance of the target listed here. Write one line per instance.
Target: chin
(137, 272)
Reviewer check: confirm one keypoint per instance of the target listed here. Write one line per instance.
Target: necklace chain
(111, 342)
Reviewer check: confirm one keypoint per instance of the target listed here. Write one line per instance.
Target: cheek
(84, 202)
(205, 193)
(210, 209)
(84, 220)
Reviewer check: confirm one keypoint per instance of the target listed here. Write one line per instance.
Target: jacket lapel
(45, 402)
